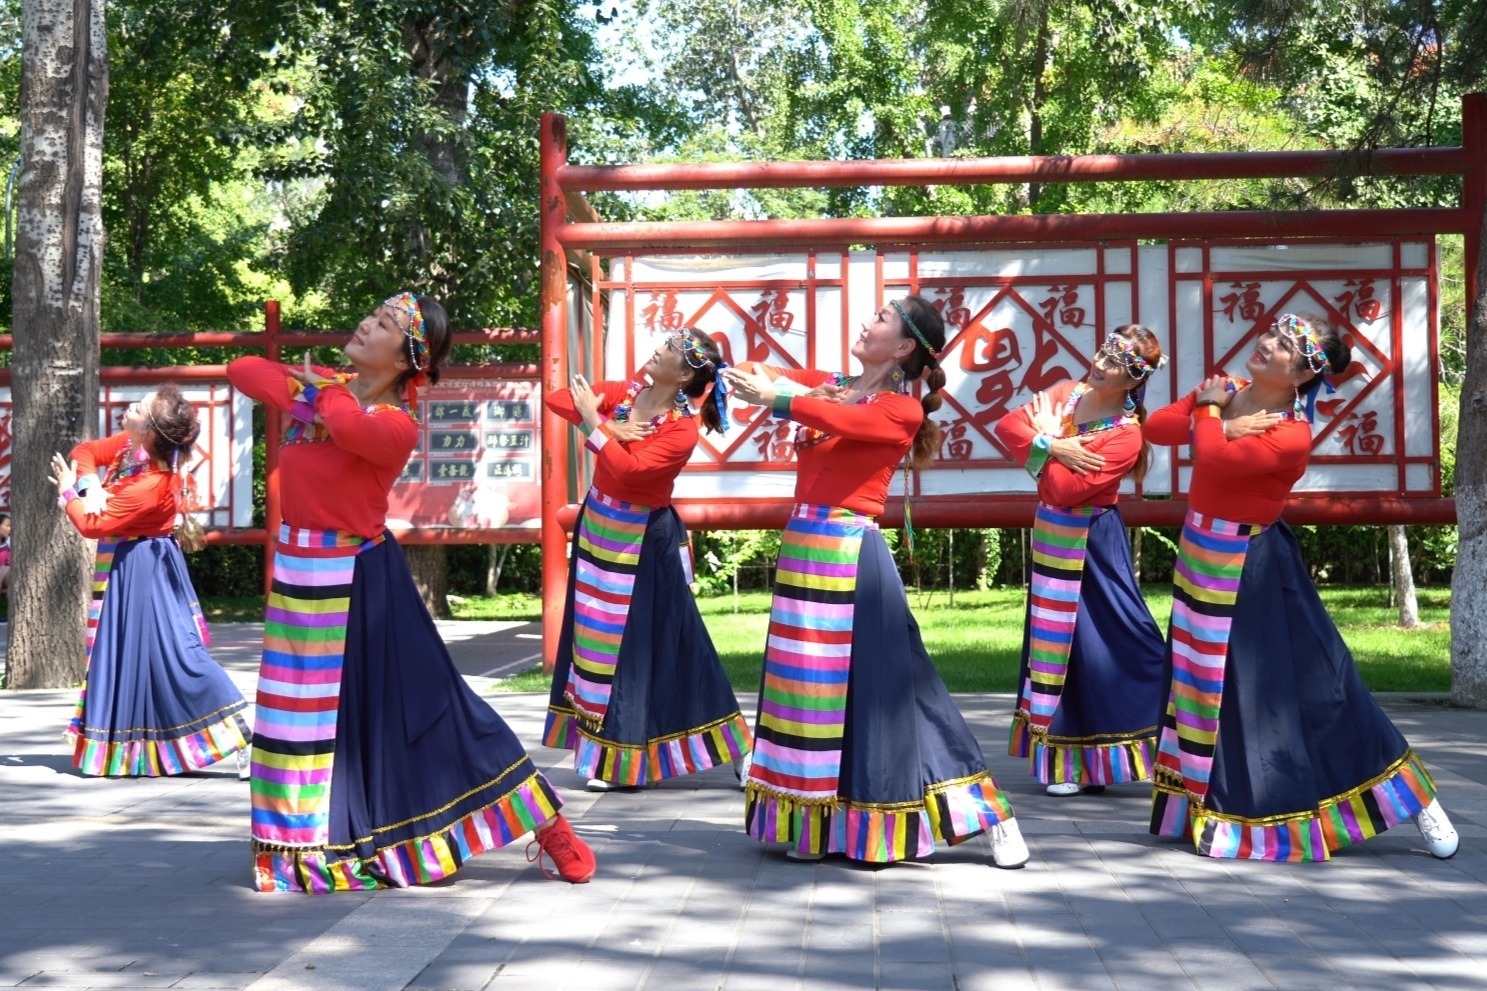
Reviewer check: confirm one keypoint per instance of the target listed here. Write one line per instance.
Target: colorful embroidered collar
(1072, 429)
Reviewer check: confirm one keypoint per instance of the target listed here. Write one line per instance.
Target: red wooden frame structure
(274, 343)
(572, 231)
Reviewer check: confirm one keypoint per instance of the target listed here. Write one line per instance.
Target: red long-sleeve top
(1243, 481)
(338, 477)
(642, 471)
(142, 504)
(853, 464)
(1057, 485)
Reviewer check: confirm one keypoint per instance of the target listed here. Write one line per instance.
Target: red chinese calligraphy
(1361, 437)
(1064, 300)
(661, 314)
(1245, 302)
(1358, 296)
(951, 305)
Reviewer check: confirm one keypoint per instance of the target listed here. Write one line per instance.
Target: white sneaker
(1008, 851)
(599, 784)
(741, 769)
(1063, 789)
(245, 763)
(1440, 836)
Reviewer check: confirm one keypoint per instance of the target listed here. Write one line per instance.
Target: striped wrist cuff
(1037, 455)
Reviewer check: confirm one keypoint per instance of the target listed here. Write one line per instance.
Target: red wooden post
(273, 430)
(554, 326)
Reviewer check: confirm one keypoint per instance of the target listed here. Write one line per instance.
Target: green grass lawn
(975, 642)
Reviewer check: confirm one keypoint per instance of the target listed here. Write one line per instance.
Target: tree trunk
(1039, 100)
(1136, 532)
(1403, 577)
(495, 563)
(431, 575)
(59, 249)
(1469, 578)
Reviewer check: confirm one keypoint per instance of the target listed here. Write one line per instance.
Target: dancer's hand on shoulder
(629, 431)
(1251, 424)
(1216, 389)
(829, 391)
(1073, 455)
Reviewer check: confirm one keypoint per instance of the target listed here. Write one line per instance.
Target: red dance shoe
(571, 856)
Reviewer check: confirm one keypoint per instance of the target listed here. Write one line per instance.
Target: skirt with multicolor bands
(606, 554)
(1092, 656)
(374, 764)
(154, 702)
(670, 710)
(1059, 538)
(1272, 747)
(859, 748)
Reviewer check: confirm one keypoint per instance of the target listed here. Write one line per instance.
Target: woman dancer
(1091, 679)
(153, 702)
(638, 692)
(859, 748)
(375, 765)
(1271, 747)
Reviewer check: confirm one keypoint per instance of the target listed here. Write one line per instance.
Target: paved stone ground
(144, 884)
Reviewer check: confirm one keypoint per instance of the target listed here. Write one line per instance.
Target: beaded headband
(1117, 348)
(418, 345)
(685, 345)
(914, 329)
(1306, 339)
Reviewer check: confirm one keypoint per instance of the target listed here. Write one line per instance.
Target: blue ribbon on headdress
(720, 394)
(1312, 389)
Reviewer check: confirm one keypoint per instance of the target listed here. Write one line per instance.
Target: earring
(896, 379)
(1130, 404)
(681, 399)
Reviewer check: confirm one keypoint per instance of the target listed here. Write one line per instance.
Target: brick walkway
(144, 884)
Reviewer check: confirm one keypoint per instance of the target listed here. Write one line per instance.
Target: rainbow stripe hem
(1108, 760)
(154, 758)
(631, 766)
(1395, 796)
(422, 860)
(952, 811)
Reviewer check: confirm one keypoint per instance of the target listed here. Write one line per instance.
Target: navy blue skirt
(417, 752)
(1296, 724)
(911, 771)
(671, 709)
(154, 703)
(1305, 760)
(1105, 727)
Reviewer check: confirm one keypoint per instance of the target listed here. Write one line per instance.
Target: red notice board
(476, 463)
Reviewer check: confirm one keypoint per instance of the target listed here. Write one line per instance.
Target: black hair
(702, 377)
(1338, 351)
(1150, 350)
(923, 362)
(436, 336)
(173, 424)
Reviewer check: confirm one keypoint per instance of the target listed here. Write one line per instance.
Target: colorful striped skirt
(374, 763)
(1272, 748)
(154, 702)
(1092, 658)
(859, 748)
(668, 707)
